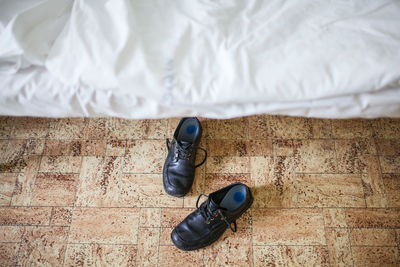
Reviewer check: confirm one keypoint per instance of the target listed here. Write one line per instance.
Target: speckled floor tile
(53, 189)
(25, 215)
(372, 218)
(69, 128)
(145, 190)
(355, 128)
(61, 216)
(315, 156)
(99, 182)
(145, 156)
(104, 225)
(326, 192)
(376, 256)
(171, 256)
(226, 129)
(43, 245)
(122, 129)
(219, 253)
(338, 243)
(330, 190)
(273, 181)
(372, 237)
(288, 227)
(392, 186)
(26, 127)
(8, 254)
(11, 233)
(290, 256)
(7, 184)
(100, 255)
(148, 242)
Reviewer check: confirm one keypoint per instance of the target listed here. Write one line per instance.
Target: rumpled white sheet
(221, 59)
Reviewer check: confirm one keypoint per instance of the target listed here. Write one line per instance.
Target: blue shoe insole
(189, 131)
(234, 198)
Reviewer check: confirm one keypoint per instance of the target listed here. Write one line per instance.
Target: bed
(217, 59)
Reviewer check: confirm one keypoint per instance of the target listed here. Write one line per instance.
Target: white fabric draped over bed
(221, 59)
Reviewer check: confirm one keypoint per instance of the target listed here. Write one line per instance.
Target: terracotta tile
(339, 247)
(5, 126)
(61, 216)
(290, 256)
(321, 128)
(334, 217)
(315, 156)
(8, 254)
(349, 153)
(368, 218)
(25, 182)
(239, 148)
(376, 256)
(100, 255)
(99, 181)
(171, 256)
(273, 182)
(330, 190)
(373, 237)
(24, 216)
(372, 182)
(145, 190)
(7, 184)
(97, 128)
(68, 128)
(63, 148)
(198, 187)
(150, 217)
(45, 245)
(14, 157)
(386, 128)
(148, 240)
(145, 156)
(392, 186)
(54, 189)
(62, 164)
(390, 164)
(283, 147)
(173, 123)
(171, 217)
(259, 127)
(388, 147)
(355, 128)
(27, 127)
(230, 249)
(116, 148)
(165, 236)
(11, 233)
(122, 129)
(217, 181)
(226, 129)
(288, 227)
(227, 165)
(104, 225)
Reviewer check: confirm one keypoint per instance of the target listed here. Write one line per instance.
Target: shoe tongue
(212, 206)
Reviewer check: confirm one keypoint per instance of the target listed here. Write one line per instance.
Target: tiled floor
(89, 192)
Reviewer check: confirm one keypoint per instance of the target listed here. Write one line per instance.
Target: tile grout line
(326, 240)
(349, 236)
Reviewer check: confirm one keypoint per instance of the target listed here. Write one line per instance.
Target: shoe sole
(217, 234)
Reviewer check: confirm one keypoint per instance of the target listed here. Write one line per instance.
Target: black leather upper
(179, 166)
(206, 224)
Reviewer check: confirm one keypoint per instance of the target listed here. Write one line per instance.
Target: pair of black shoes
(221, 209)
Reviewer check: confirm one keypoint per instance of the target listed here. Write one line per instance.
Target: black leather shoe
(206, 224)
(179, 166)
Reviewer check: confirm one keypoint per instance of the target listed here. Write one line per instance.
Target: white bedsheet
(220, 59)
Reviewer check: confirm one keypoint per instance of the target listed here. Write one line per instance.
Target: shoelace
(185, 152)
(210, 216)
